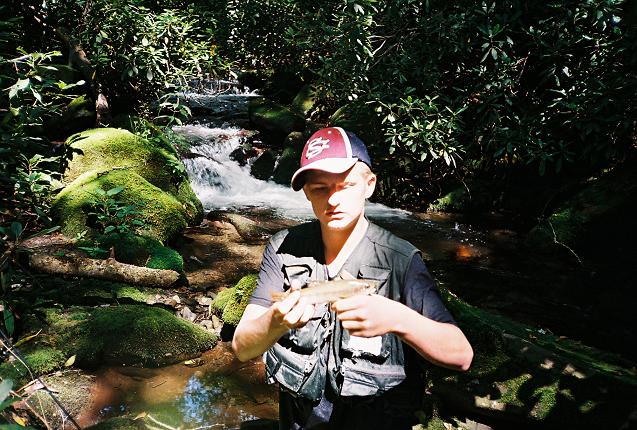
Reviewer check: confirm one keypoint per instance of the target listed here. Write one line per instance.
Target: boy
(352, 364)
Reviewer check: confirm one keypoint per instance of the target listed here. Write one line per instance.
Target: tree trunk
(108, 269)
(78, 58)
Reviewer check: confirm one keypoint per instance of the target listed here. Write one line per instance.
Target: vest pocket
(299, 374)
(363, 378)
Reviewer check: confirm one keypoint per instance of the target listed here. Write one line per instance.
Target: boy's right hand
(292, 312)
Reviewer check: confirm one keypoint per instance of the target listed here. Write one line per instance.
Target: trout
(330, 291)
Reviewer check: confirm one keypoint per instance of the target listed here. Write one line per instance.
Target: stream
(479, 260)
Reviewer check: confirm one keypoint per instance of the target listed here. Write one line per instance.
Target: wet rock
(204, 301)
(243, 153)
(187, 314)
(72, 388)
(216, 322)
(263, 167)
(288, 162)
(247, 229)
(119, 423)
(207, 324)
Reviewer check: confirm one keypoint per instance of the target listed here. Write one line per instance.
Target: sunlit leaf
(114, 191)
(70, 361)
(26, 339)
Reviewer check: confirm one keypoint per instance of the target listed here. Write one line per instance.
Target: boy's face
(338, 199)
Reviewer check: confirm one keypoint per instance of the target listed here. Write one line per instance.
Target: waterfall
(222, 183)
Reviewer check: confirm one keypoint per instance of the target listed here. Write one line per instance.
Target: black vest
(304, 360)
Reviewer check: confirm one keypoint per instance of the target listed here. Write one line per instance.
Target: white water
(221, 183)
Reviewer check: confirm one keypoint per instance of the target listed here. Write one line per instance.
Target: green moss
(455, 201)
(221, 300)
(166, 258)
(238, 301)
(139, 335)
(40, 361)
(163, 214)
(121, 335)
(105, 149)
(599, 199)
(546, 400)
(128, 292)
(274, 119)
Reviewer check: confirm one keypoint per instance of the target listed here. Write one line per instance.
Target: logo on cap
(316, 146)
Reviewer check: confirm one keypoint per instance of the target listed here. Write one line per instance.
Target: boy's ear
(371, 186)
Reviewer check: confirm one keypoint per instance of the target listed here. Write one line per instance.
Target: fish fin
(344, 274)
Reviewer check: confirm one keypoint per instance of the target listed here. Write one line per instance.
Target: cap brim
(330, 165)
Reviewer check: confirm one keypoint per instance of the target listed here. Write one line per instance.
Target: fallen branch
(108, 269)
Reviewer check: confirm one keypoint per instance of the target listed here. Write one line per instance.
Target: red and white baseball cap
(332, 150)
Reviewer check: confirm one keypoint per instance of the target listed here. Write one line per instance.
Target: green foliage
(459, 88)
(113, 215)
(31, 172)
(142, 50)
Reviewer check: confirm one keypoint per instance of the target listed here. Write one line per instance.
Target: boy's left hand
(368, 316)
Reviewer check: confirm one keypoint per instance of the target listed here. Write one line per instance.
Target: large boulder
(275, 121)
(126, 335)
(152, 175)
(263, 166)
(521, 374)
(163, 216)
(362, 121)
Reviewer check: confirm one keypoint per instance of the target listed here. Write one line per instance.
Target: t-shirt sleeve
(421, 293)
(270, 278)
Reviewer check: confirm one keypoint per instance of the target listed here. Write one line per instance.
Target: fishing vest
(304, 360)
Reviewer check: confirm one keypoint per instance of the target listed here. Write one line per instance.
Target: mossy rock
(288, 162)
(142, 251)
(221, 300)
(263, 166)
(454, 201)
(110, 149)
(127, 335)
(233, 301)
(304, 100)
(522, 374)
(163, 214)
(78, 115)
(275, 121)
